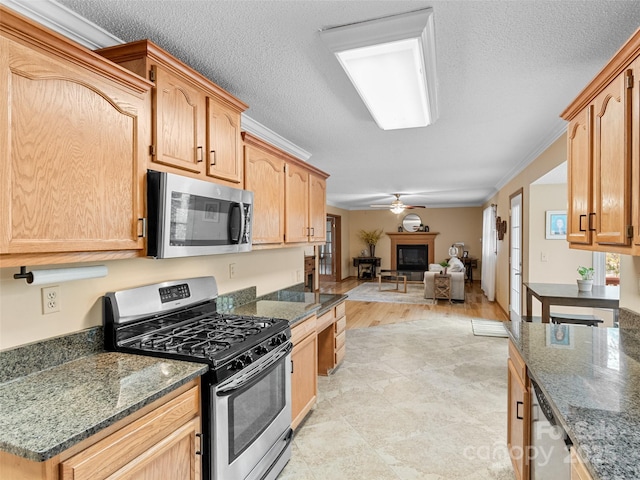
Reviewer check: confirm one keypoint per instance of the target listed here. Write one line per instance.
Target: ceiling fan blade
(380, 206)
(415, 206)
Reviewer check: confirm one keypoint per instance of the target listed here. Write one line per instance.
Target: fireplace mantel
(411, 238)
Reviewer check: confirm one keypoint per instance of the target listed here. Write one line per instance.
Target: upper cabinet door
(224, 142)
(579, 150)
(179, 123)
(612, 162)
(74, 151)
(297, 204)
(317, 208)
(264, 176)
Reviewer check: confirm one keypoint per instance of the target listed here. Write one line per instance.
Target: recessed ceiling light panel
(391, 63)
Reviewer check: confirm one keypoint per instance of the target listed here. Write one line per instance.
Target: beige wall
(561, 261)
(547, 161)
(630, 283)
(452, 224)
(22, 321)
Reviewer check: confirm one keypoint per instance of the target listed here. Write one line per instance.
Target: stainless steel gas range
(246, 397)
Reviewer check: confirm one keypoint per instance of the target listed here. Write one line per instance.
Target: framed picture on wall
(556, 225)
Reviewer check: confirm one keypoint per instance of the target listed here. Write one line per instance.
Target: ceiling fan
(397, 206)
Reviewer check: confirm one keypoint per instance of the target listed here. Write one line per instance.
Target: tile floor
(419, 400)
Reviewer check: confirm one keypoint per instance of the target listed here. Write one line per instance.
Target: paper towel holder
(28, 276)
(57, 275)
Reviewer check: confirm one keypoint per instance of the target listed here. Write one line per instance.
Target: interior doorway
(515, 255)
(329, 254)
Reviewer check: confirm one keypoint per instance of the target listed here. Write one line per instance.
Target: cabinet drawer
(341, 325)
(325, 320)
(340, 340)
(340, 310)
(518, 362)
(303, 329)
(119, 449)
(340, 355)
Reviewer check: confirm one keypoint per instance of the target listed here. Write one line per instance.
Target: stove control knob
(261, 350)
(247, 359)
(237, 364)
(275, 341)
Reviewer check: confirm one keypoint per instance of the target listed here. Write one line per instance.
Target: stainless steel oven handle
(237, 382)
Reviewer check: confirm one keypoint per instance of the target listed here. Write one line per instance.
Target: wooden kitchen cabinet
(195, 122)
(178, 126)
(224, 142)
(331, 327)
(304, 379)
(305, 205)
(518, 413)
(604, 157)
(75, 133)
(289, 203)
(161, 442)
(264, 170)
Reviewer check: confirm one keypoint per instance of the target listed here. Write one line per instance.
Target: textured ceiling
(506, 69)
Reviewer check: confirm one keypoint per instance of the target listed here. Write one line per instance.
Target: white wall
(22, 321)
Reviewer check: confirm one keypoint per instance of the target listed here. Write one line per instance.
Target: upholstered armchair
(457, 272)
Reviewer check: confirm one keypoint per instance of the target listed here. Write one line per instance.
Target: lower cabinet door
(304, 380)
(518, 414)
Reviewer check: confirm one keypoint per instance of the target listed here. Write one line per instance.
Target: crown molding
(66, 22)
(256, 128)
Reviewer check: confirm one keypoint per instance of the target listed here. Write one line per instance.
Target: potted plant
(444, 264)
(370, 238)
(586, 283)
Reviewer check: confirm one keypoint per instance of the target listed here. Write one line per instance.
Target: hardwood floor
(370, 314)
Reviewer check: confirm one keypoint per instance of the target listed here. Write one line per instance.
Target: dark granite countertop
(48, 411)
(291, 305)
(591, 376)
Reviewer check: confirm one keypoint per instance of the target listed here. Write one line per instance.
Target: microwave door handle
(235, 223)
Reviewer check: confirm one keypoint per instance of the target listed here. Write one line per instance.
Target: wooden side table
(442, 287)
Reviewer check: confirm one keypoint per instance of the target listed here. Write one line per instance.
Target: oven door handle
(255, 373)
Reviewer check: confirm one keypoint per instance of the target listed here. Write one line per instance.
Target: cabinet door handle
(291, 366)
(580, 223)
(143, 233)
(591, 228)
(199, 156)
(518, 416)
(199, 436)
(313, 231)
(213, 153)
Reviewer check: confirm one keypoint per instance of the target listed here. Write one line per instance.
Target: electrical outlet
(232, 270)
(543, 257)
(298, 275)
(51, 299)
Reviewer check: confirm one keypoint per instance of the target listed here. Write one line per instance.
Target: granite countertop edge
(192, 371)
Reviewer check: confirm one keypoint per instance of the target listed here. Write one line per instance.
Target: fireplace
(412, 257)
(426, 243)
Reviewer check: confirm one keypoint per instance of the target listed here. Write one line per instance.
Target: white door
(515, 257)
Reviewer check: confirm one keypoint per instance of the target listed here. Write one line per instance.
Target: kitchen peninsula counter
(591, 377)
(290, 305)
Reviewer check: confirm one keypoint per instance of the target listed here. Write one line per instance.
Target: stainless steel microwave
(188, 217)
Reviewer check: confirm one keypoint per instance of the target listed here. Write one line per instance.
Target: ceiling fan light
(391, 63)
(397, 209)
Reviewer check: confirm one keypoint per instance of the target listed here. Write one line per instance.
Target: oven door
(251, 420)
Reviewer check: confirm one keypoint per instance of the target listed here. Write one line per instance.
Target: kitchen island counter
(591, 377)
